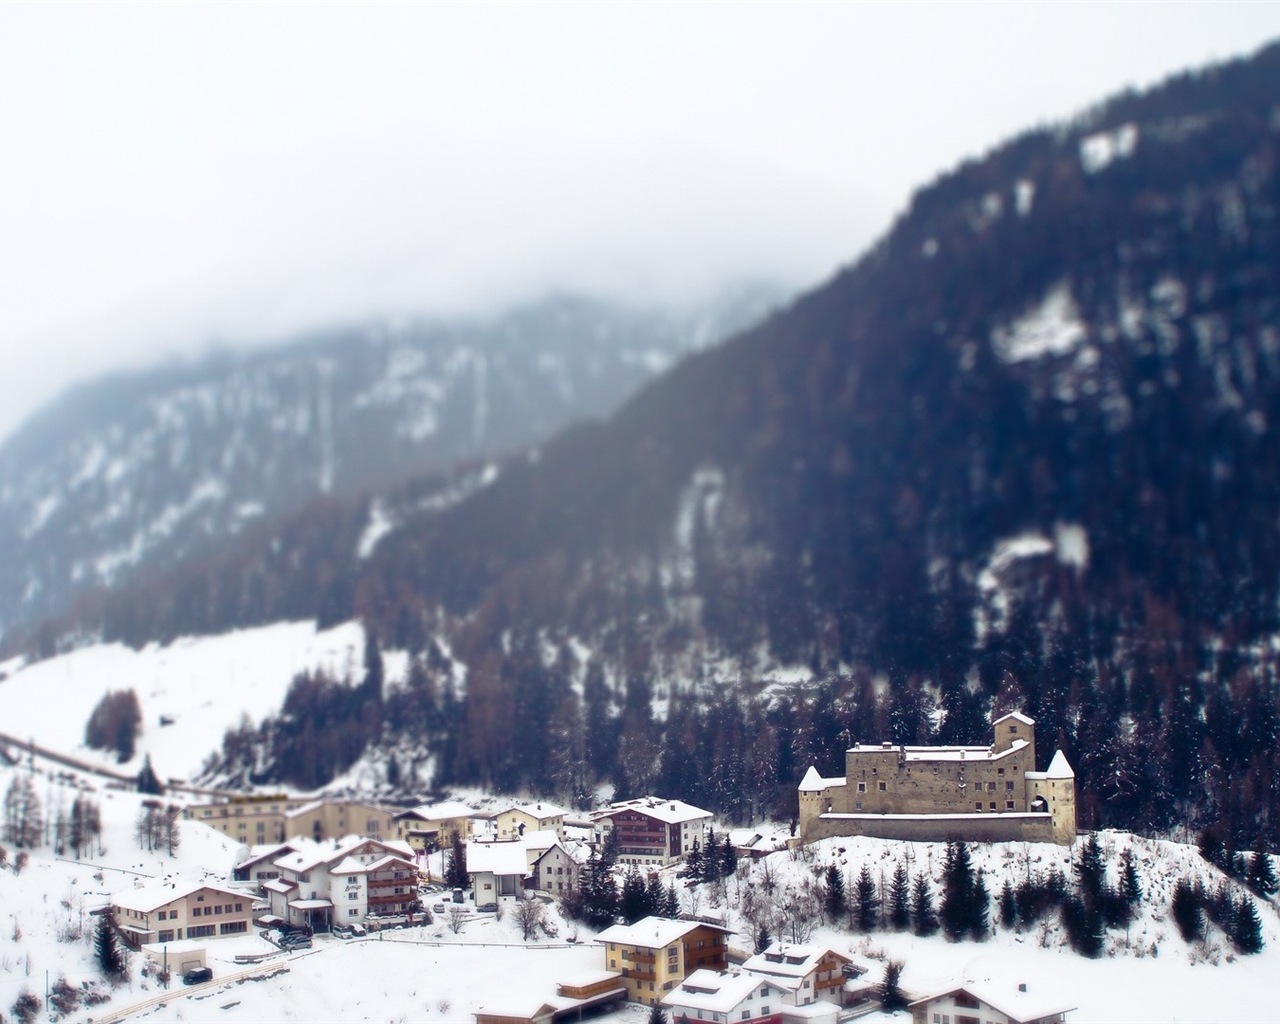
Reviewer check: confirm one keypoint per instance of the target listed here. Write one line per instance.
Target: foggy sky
(175, 175)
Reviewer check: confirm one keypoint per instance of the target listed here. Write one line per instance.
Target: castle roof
(1059, 767)
(815, 783)
(1016, 715)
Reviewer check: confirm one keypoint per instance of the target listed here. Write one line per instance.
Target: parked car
(342, 931)
(487, 908)
(437, 908)
(197, 975)
(359, 931)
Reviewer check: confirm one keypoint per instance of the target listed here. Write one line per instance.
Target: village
(312, 870)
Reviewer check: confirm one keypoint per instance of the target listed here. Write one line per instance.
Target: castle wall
(880, 781)
(1030, 827)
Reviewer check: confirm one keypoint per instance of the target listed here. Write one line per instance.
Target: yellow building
(258, 820)
(656, 954)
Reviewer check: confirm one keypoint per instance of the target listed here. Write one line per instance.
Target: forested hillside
(1021, 454)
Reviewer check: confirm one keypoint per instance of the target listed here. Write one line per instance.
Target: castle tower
(1012, 727)
(1057, 787)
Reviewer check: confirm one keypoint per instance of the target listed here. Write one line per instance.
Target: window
(978, 806)
(991, 787)
(993, 805)
(999, 771)
(883, 787)
(233, 928)
(1008, 786)
(1008, 805)
(166, 935)
(200, 931)
(353, 895)
(857, 805)
(353, 912)
(862, 787)
(162, 916)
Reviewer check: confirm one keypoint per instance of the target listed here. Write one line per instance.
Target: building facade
(169, 914)
(259, 820)
(653, 832)
(988, 793)
(656, 954)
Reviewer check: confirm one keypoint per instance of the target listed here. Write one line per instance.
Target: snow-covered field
(204, 684)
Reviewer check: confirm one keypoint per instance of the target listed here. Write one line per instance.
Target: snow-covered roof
(651, 932)
(789, 960)
(815, 783)
(1059, 767)
(257, 854)
(669, 812)
(310, 904)
(281, 885)
(150, 897)
(438, 812)
(1016, 715)
(310, 854)
(1018, 1005)
(510, 858)
(713, 991)
(348, 866)
(541, 810)
(926, 754)
(539, 841)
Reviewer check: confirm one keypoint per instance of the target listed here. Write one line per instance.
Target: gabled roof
(271, 851)
(540, 810)
(713, 991)
(152, 897)
(309, 854)
(497, 858)
(1019, 1006)
(669, 812)
(791, 961)
(815, 783)
(653, 932)
(1017, 715)
(438, 812)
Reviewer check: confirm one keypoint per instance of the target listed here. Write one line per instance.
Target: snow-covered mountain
(135, 471)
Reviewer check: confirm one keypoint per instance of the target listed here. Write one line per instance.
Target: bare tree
(529, 913)
(457, 918)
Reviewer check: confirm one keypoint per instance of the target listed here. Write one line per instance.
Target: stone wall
(1031, 827)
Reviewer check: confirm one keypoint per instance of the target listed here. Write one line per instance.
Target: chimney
(1022, 986)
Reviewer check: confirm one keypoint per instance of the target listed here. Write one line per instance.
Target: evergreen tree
(1211, 848)
(1187, 912)
(957, 891)
(172, 829)
(1246, 935)
(1130, 883)
(1082, 928)
(455, 865)
(900, 899)
(710, 858)
(866, 904)
(1008, 905)
(764, 940)
(834, 898)
(106, 949)
(693, 862)
(979, 909)
(1260, 875)
(924, 921)
(635, 898)
(890, 991)
(657, 1015)
(728, 858)
(148, 781)
(1090, 872)
(670, 903)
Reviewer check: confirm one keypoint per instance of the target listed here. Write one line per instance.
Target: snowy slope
(205, 684)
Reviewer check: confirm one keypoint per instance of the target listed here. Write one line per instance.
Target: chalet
(808, 974)
(323, 884)
(259, 820)
(167, 913)
(556, 869)
(716, 996)
(260, 866)
(514, 821)
(497, 870)
(991, 793)
(987, 1003)
(431, 827)
(655, 954)
(653, 832)
(587, 991)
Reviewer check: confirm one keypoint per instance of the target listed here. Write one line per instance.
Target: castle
(937, 793)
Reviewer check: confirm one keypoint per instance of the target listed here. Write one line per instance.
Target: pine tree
(834, 899)
(23, 816)
(957, 891)
(148, 780)
(1261, 876)
(866, 904)
(728, 858)
(657, 1015)
(924, 921)
(106, 949)
(900, 899)
(635, 903)
(693, 862)
(1130, 883)
(670, 903)
(1187, 912)
(171, 829)
(890, 991)
(1008, 905)
(1246, 935)
(979, 909)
